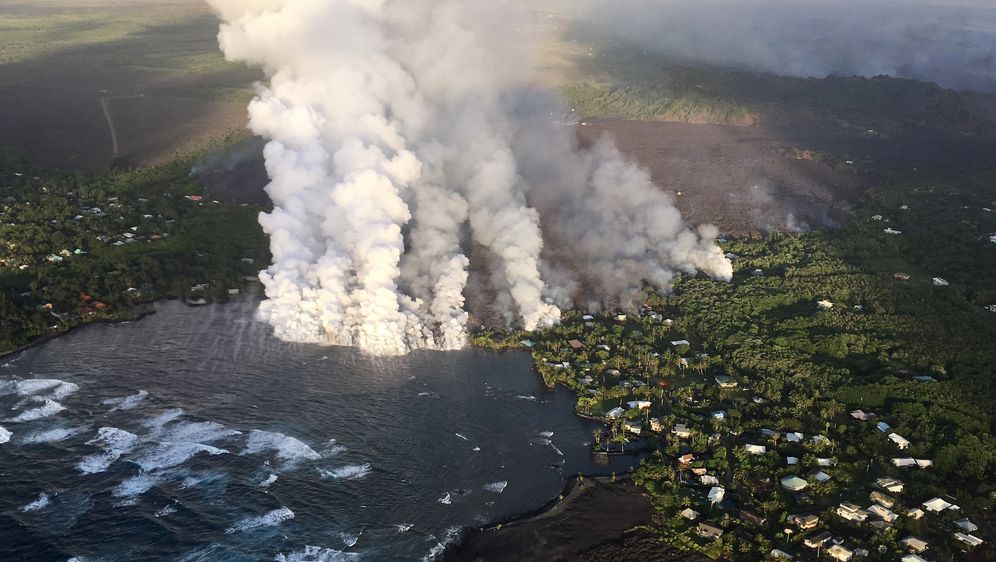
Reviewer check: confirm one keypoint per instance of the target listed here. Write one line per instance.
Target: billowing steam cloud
(950, 42)
(403, 133)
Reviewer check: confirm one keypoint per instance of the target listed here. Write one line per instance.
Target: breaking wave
(271, 519)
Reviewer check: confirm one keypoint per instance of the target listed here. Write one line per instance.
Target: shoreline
(141, 311)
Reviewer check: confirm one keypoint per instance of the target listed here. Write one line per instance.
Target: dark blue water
(194, 435)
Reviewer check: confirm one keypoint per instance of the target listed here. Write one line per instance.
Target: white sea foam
(168, 509)
(317, 554)
(275, 517)
(169, 454)
(48, 409)
(476, 449)
(350, 539)
(547, 434)
(51, 435)
(446, 499)
(269, 481)
(43, 501)
(526, 397)
(27, 387)
(157, 422)
(5, 435)
(115, 442)
(136, 486)
(464, 437)
(193, 432)
(449, 536)
(126, 402)
(348, 472)
(287, 449)
(332, 448)
(404, 527)
(496, 487)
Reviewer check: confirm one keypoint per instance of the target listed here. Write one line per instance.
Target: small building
(913, 544)
(752, 518)
(614, 413)
(966, 525)
(912, 558)
(687, 458)
(655, 425)
(639, 405)
(899, 440)
(716, 494)
(890, 485)
(838, 552)
(708, 531)
(756, 449)
(708, 480)
(725, 382)
(936, 505)
(821, 476)
(791, 461)
(794, 437)
(852, 512)
(699, 470)
(634, 427)
(681, 430)
(825, 304)
(576, 345)
(915, 513)
(690, 514)
(817, 540)
(805, 522)
(882, 513)
(780, 554)
(793, 483)
(970, 540)
(862, 416)
(527, 344)
(883, 427)
(940, 282)
(679, 343)
(882, 499)
(904, 462)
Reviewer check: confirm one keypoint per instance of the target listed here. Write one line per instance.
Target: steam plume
(403, 131)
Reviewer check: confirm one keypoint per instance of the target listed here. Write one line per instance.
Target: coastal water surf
(194, 435)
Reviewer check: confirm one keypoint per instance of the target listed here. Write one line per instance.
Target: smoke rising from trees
(402, 133)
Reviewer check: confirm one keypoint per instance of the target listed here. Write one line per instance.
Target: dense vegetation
(81, 247)
(916, 353)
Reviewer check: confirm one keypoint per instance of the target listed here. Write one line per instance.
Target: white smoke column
(402, 131)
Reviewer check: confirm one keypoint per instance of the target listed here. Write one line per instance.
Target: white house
(638, 405)
(716, 494)
(825, 304)
(862, 416)
(615, 413)
(970, 540)
(690, 514)
(681, 430)
(966, 525)
(912, 558)
(890, 485)
(936, 505)
(708, 480)
(756, 449)
(794, 437)
(882, 513)
(914, 544)
(634, 427)
(679, 343)
(904, 463)
(791, 461)
(939, 282)
(838, 552)
(852, 512)
(899, 440)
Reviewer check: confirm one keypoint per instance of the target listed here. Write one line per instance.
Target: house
(935, 505)
(527, 343)
(585, 380)
(576, 345)
(825, 304)
(708, 531)
(904, 463)
(852, 512)
(882, 513)
(924, 463)
(966, 525)
(882, 499)
(793, 483)
(805, 522)
(655, 425)
(634, 427)
(915, 513)
(970, 540)
(924, 378)
(913, 544)
(939, 282)
(752, 518)
(725, 382)
(756, 449)
(892, 231)
(716, 494)
(862, 416)
(690, 514)
(708, 480)
(719, 415)
(899, 440)
(821, 476)
(824, 462)
(681, 430)
(687, 458)
(818, 540)
(791, 461)
(883, 427)
(638, 405)
(889, 485)
(679, 343)
(615, 413)
(699, 470)
(780, 554)
(838, 552)
(794, 437)
(912, 558)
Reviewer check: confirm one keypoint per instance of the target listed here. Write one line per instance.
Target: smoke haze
(404, 132)
(952, 42)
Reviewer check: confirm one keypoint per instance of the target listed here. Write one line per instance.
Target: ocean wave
(51, 435)
(496, 487)
(126, 402)
(348, 472)
(169, 454)
(526, 397)
(446, 499)
(135, 486)
(287, 448)
(168, 509)
(43, 501)
(193, 432)
(271, 519)
(5, 435)
(464, 437)
(115, 443)
(350, 539)
(332, 448)
(404, 527)
(317, 554)
(269, 481)
(48, 409)
(449, 536)
(157, 422)
(546, 434)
